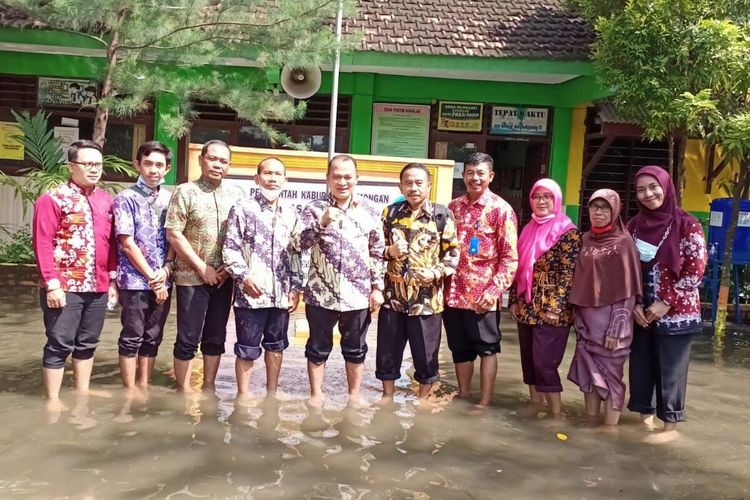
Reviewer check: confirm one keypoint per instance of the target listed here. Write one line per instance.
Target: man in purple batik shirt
(144, 264)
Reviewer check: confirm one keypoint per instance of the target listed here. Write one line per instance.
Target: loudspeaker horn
(300, 83)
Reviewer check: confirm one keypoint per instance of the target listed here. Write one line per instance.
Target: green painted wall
(562, 122)
(45, 37)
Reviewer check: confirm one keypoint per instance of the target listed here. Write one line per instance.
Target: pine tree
(187, 48)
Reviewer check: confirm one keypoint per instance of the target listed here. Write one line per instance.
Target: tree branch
(221, 23)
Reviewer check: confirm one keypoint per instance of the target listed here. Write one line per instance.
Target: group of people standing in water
(628, 290)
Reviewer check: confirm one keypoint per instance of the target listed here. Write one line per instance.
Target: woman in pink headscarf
(547, 251)
(607, 287)
(673, 257)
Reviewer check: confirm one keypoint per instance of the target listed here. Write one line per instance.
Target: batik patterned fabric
(346, 258)
(199, 210)
(492, 269)
(258, 244)
(427, 250)
(551, 284)
(73, 239)
(140, 212)
(660, 283)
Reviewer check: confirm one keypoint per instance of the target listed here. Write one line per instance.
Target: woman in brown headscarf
(606, 287)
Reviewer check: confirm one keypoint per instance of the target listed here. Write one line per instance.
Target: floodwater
(170, 446)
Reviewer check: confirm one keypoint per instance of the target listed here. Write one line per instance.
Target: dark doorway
(518, 165)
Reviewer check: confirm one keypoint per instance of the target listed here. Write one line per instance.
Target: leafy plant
(17, 249)
(50, 168)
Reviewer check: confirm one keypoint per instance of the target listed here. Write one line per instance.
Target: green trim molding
(467, 63)
(562, 126)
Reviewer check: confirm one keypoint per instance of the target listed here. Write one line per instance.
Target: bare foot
(315, 401)
(244, 399)
(424, 405)
(555, 416)
(98, 393)
(606, 428)
(54, 408)
(463, 398)
(135, 394)
(531, 411)
(592, 420)
(662, 437)
(647, 421)
(478, 409)
(356, 402)
(385, 400)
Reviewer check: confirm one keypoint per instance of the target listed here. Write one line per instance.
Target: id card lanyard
(474, 240)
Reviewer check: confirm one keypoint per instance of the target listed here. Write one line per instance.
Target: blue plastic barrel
(721, 213)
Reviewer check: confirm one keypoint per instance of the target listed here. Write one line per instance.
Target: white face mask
(269, 194)
(646, 250)
(141, 179)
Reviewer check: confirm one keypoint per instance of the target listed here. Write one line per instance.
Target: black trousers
(142, 323)
(658, 374)
(74, 329)
(202, 315)
(423, 334)
(352, 326)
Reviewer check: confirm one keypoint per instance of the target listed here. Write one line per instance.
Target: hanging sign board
(511, 120)
(66, 92)
(460, 116)
(400, 130)
(10, 147)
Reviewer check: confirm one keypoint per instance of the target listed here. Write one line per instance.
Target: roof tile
(533, 29)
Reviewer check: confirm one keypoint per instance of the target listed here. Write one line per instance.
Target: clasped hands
(652, 313)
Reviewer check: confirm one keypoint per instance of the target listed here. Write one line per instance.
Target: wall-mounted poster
(400, 130)
(69, 135)
(10, 147)
(511, 120)
(66, 92)
(460, 116)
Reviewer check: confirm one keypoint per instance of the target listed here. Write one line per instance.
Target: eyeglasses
(542, 197)
(212, 159)
(88, 165)
(600, 208)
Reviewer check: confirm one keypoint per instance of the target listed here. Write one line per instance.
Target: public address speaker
(300, 83)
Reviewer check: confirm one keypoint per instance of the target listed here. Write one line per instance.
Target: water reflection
(167, 445)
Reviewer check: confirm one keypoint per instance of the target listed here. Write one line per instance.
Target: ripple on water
(170, 446)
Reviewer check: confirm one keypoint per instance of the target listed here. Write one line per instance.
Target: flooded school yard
(168, 445)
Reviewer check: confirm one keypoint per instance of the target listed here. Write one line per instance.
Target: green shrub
(17, 249)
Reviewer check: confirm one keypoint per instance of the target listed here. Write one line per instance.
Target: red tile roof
(532, 29)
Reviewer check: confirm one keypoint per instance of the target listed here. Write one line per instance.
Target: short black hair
(261, 162)
(149, 147)
(475, 159)
(215, 142)
(414, 166)
(74, 85)
(82, 144)
(338, 159)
